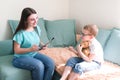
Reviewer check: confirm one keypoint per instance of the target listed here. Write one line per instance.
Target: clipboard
(46, 43)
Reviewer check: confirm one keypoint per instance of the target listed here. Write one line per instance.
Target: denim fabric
(79, 65)
(73, 61)
(85, 66)
(41, 66)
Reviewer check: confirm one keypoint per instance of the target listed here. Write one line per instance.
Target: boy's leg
(82, 67)
(69, 65)
(66, 72)
(73, 76)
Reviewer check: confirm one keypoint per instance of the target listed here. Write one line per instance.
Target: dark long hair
(23, 20)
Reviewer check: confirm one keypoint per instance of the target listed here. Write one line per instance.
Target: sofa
(64, 32)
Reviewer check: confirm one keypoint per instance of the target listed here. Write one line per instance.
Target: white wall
(104, 13)
(49, 9)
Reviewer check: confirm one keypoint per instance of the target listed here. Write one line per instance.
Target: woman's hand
(44, 47)
(34, 48)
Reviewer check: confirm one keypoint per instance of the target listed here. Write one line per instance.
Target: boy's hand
(80, 47)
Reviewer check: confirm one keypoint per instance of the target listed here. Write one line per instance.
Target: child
(75, 66)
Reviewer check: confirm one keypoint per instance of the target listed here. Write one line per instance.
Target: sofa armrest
(6, 47)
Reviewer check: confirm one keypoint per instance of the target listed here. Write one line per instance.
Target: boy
(75, 66)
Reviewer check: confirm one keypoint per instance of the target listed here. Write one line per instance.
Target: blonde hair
(93, 29)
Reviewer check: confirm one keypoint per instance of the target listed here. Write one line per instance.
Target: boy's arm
(73, 50)
(82, 55)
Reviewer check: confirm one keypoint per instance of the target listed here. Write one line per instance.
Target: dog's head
(85, 44)
(85, 47)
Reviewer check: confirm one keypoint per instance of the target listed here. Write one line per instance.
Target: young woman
(26, 47)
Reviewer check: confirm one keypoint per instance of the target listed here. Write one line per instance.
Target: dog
(85, 47)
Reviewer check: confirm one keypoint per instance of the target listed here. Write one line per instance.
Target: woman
(26, 47)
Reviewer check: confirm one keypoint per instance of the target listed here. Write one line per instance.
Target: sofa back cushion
(6, 47)
(43, 37)
(112, 48)
(14, 23)
(103, 36)
(63, 31)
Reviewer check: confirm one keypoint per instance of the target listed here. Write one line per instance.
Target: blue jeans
(79, 65)
(41, 66)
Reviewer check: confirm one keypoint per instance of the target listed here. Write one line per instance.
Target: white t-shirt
(96, 48)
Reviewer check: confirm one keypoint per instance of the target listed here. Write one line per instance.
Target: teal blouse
(27, 39)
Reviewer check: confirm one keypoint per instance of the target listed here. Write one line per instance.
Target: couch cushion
(14, 23)
(9, 72)
(112, 48)
(6, 47)
(103, 36)
(63, 31)
(43, 37)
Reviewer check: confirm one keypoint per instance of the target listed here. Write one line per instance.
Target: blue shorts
(73, 61)
(79, 65)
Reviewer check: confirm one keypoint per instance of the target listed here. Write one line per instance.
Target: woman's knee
(38, 66)
(51, 64)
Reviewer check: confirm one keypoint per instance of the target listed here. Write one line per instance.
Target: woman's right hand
(34, 48)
